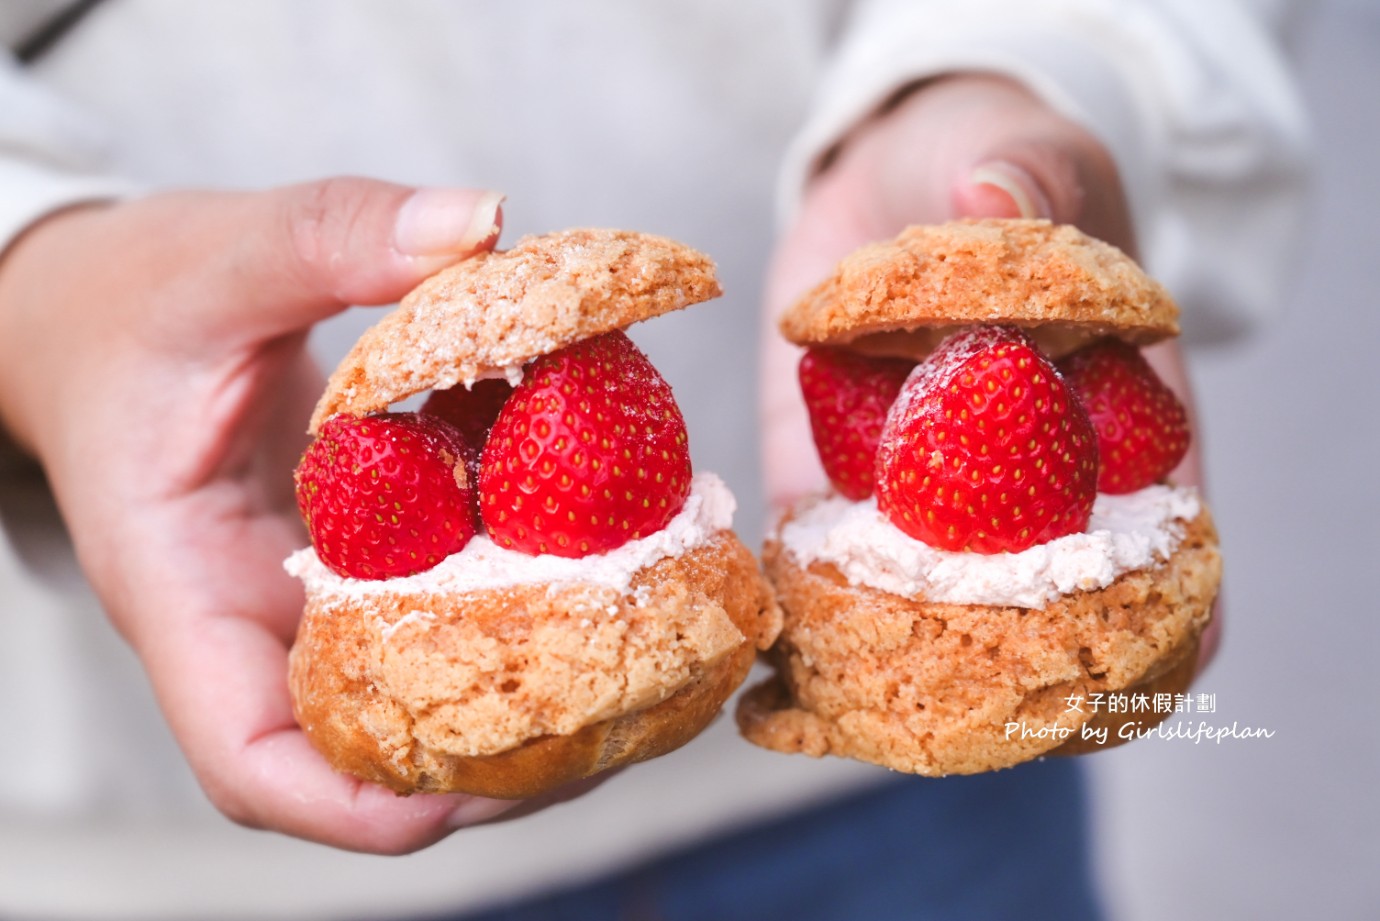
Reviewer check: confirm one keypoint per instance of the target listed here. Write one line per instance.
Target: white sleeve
(50, 156)
(1194, 101)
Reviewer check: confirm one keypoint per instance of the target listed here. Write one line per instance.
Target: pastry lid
(489, 315)
(901, 297)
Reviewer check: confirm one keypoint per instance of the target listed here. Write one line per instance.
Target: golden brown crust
(902, 296)
(1171, 674)
(932, 688)
(500, 310)
(511, 693)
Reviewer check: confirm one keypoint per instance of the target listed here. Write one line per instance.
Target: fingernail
(1017, 183)
(446, 222)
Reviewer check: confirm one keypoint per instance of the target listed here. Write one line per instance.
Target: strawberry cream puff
(1000, 570)
(522, 584)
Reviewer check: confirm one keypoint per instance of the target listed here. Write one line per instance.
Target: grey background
(1286, 827)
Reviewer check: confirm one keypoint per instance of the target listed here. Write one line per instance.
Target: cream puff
(523, 584)
(1000, 570)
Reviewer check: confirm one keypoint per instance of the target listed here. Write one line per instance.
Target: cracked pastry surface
(501, 678)
(903, 296)
(487, 315)
(928, 688)
(515, 690)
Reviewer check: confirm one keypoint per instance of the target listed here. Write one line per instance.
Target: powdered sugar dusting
(935, 371)
(942, 365)
(482, 565)
(497, 311)
(513, 374)
(418, 616)
(1125, 533)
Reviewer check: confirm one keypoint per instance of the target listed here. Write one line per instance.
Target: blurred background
(1285, 827)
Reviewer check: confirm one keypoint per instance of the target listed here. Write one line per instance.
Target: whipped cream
(1125, 533)
(513, 374)
(483, 565)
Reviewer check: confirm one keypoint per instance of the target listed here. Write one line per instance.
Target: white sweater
(679, 119)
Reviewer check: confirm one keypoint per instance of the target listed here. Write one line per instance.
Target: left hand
(152, 359)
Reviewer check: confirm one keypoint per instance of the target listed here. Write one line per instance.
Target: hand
(961, 146)
(151, 357)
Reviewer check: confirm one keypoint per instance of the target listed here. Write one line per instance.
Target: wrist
(36, 322)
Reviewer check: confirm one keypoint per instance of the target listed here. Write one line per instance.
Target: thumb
(1066, 177)
(987, 146)
(291, 256)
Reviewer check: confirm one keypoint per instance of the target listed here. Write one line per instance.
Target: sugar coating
(484, 566)
(902, 296)
(901, 677)
(513, 691)
(1125, 533)
(932, 688)
(491, 314)
(940, 367)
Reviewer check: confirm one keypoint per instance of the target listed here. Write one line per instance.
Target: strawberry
(589, 453)
(472, 410)
(848, 396)
(386, 495)
(987, 449)
(1142, 429)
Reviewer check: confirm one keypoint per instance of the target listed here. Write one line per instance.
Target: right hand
(152, 358)
(965, 145)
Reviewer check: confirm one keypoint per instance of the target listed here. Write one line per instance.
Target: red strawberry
(848, 396)
(472, 410)
(987, 449)
(1142, 429)
(387, 495)
(589, 453)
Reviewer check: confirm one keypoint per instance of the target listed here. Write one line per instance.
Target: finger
(986, 146)
(968, 146)
(215, 644)
(1061, 174)
(828, 226)
(233, 716)
(283, 259)
(790, 462)
(1168, 361)
(1000, 189)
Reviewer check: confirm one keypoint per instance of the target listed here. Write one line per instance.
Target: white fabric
(673, 119)
(1192, 99)
(47, 154)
